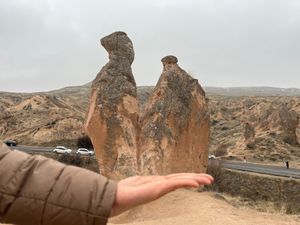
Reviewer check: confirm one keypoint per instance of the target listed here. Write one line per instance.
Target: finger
(199, 180)
(171, 185)
(190, 175)
(164, 186)
(140, 180)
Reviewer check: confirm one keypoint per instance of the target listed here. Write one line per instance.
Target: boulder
(175, 124)
(112, 119)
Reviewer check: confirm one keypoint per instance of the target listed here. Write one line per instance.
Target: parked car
(11, 143)
(211, 157)
(84, 151)
(62, 150)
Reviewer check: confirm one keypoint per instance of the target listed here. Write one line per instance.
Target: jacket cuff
(109, 198)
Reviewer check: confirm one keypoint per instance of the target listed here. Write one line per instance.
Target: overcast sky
(49, 44)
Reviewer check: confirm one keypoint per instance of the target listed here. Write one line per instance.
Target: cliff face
(175, 124)
(112, 119)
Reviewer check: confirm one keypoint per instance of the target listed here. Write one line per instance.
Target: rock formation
(112, 120)
(249, 134)
(175, 125)
(298, 131)
(285, 122)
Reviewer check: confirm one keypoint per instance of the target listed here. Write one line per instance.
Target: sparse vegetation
(71, 159)
(250, 145)
(214, 168)
(86, 162)
(221, 151)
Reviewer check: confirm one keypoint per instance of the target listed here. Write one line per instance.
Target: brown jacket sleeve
(35, 190)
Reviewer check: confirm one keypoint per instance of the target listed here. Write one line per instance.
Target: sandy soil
(193, 208)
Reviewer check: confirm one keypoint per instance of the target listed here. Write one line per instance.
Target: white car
(84, 151)
(62, 150)
(211, 157)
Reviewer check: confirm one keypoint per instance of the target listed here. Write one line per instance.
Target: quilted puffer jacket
(38, 191)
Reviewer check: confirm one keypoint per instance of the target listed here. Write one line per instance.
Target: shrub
(214, 169)
(250, 145)
(290, 139)
(75, 160)
(221, 151)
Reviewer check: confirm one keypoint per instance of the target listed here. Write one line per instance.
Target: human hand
(137, 190)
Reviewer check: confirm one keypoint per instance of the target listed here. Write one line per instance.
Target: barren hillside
(43, 118)
(258, 127)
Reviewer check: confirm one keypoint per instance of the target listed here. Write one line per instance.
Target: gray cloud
(50, 44)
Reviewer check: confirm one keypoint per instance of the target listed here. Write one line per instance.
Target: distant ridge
(226, 91)
(252, 91)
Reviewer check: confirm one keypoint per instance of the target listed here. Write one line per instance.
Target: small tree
(84, 142)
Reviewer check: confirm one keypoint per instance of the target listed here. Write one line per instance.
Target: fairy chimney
(112, 118)
(175, 125)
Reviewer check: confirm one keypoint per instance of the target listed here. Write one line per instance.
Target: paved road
(263, 169)
(29, 149)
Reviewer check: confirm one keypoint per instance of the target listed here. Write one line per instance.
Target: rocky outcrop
(112, 120)
(298, 131)
(285, 121)
(175, 125)
(249, 134)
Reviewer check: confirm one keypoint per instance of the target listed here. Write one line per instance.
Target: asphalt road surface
(32, 149)
(262, 169)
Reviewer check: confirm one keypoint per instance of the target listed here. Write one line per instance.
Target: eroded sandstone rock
(175, 125)
(249, 135)
(112, 120)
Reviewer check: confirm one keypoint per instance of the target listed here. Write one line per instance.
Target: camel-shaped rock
(171, 135)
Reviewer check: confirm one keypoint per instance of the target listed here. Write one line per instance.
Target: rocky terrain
(44, 118)
(57, 117)
(256, 127)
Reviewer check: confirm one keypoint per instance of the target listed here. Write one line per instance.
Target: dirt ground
(193, 208)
